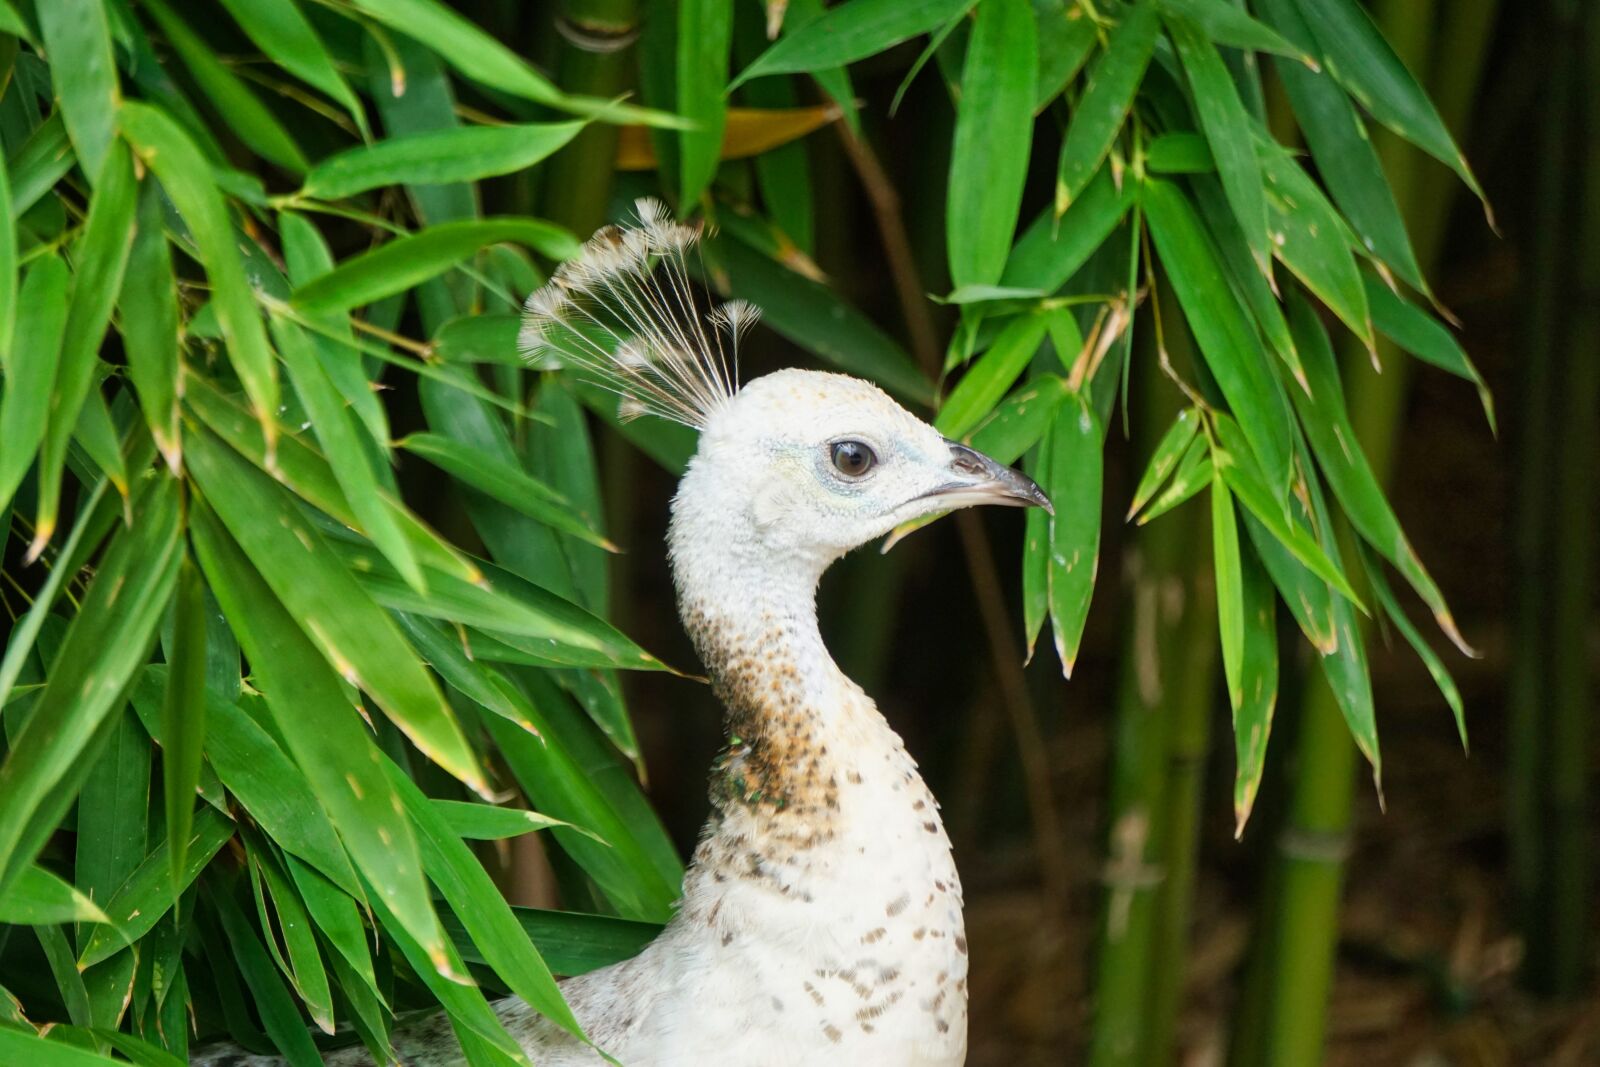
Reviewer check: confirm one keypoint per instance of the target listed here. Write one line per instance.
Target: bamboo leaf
(304, 967)
(78, 39)
(1019, 421)
(1229, 131)
(105, 643)
(1066, 38)
(1311, 239)
(168, 151)
(148, 305)
(509, 485)
(31, 368)
(989, 378)
(344, 450)
(246, 116)
(358, 640)
(1230, 588)
(1052, 248)
(8, 271)
(572, 943)
(747, 132)
(40, 898)
(113, 809)
(1258, 673)
(1036, 544)
(1430, 659)
(323, 733)
(1194, 473)
(1425, 337)
(1172, 447)
(25, 1046)
(279, 1013)
(1106, 99)
(1178, 152)
(705, 35)
(1357, 56)
(490, 822)
(848, 32)
(993, 136)
(436, 157)
(1228, 24)
(1343, 152)
(480, 339)
(281, 30)
(1338, 450)
(1225, 336)
(1075, 489)
(401, 264)
(183, 713)
(152, 889)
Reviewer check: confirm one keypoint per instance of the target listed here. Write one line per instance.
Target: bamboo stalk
(1283, 1016)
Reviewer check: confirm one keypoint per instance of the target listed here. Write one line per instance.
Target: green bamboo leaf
(490, 822)
(1106, 99)
(280, 1016)
(346, 455)
(705, 34)
(1338, 450)
(183, 711)
(482, 907)
(1230, 132)
(8, 270)
(307, 473)
(113, 810)
(337, 915)
(461, 154)
(31, 368)
(42, 161)
(1172, 447)
(987, 381)
(1036, 538)
(1178, 152)
(106, 641)
(476, 54)
(244, 113)
(818, 320)
(25, 1046)
(1194, 474)
(137, 1051)
(1052, 249)
(149, 310)
(848, 32)
(1246, 484)
(1225, 336)
(509, 485)
(562, 455)
(480, 339)
(1311, 239)
(303, 967)
(77, 38)
(1343, 152)
(1019, 421)
(1254, 289)
(1430, 659)
(323, 733)
(39, 897)
(358, 640)
(1425, 337)
(1230, 588)
(1258, 674)
(260, 776)
(152, 890)
(168, 151)
(994, 131)
(1357, 56)
(99, 259)
(1075, 489)
(571, 942)
(936, 43)
(1226, 23)
(281, 30)
(404, 263)
(1067, 35)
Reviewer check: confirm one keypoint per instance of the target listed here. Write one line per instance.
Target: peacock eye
(852, 458)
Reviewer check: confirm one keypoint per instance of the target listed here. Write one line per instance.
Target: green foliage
(259, 693)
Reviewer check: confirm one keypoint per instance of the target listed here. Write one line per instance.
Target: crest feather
(624, 314)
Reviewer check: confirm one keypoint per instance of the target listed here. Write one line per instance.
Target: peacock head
(799, 464)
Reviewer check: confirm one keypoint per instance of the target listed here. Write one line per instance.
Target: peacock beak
(977, 479)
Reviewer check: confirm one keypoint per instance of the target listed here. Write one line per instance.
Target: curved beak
(977, 479)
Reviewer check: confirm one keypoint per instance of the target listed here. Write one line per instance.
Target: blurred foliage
(254, 704)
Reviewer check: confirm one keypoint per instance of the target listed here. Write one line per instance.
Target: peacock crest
(624, 314)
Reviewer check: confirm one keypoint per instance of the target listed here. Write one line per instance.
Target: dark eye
(853, 458)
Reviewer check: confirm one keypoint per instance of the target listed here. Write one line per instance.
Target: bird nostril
(968, 460)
